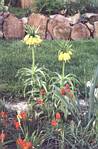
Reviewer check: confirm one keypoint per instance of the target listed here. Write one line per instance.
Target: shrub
(81, 5)
(49, 7)
(52, 7)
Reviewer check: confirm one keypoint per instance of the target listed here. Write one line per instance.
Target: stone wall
(53, 27)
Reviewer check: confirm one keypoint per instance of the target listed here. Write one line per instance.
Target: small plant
(34, 77)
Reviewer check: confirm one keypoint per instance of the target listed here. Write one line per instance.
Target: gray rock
(96, 29)
(13, 28)
(80, 31)
(59, 29)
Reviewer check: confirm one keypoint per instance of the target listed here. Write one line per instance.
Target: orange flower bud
(23, 115)
(58, 116)
(17, 124)
(24, 144)
(54, 123)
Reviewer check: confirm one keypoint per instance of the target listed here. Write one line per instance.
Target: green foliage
(19, 12)
(32, 83)
(52, 7)
(48, 6)
(31, 30)
(81, 5)
(78, 136)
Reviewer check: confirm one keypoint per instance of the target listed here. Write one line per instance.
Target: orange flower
(24, 144)
(40, 101)
(27, 145)
(54, 123)
(19, 141)
(3, 114)
(22, 115)
(65, 89)
(2, 136)
(58, 116)
(17, 124)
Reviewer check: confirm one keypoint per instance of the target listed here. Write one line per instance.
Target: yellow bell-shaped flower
(30, 40)
(66, 56)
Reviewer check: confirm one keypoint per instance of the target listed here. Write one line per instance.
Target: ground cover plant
(55, 118)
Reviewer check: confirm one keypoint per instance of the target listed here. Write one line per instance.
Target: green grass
(15, 55)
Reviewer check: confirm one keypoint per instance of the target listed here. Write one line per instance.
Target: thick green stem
(63, 74)
(33, 61)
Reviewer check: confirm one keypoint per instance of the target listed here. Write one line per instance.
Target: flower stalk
(33, 62)
(63, 73)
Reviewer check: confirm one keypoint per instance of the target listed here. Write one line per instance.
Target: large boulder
(69, 20)
(75, 18)
(91, 17)
(38, 21)
(90, 27)
(58, 29)
(96, 29)
(13, 28)
(80, 31)
(60, 18)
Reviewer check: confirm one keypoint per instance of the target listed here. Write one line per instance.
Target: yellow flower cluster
(66, 56)
(30, 40)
